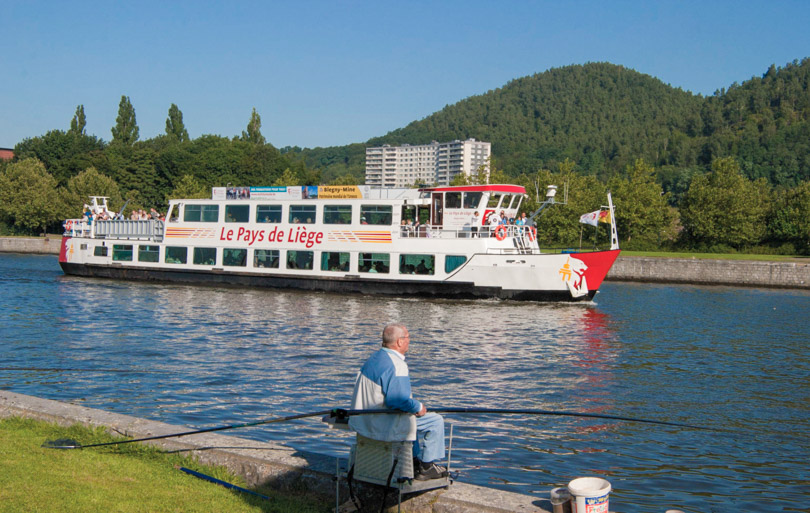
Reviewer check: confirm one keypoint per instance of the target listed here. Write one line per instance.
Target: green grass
(716, 256)
(119, 478)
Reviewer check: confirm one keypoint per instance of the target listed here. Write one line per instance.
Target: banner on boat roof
(289, 193)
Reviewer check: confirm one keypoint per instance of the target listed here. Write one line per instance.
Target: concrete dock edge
(260, 463)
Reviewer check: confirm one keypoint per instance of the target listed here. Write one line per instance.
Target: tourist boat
(341, 239)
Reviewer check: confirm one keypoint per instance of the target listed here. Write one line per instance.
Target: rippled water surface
(729, 358)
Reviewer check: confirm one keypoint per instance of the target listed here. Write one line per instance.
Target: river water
(722, 357)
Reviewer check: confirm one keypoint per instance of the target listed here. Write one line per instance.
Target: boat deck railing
(125, 229)
(522, 238)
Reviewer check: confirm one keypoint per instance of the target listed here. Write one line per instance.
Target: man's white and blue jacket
(383, 382)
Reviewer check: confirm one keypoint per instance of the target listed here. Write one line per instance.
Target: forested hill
(603, 117)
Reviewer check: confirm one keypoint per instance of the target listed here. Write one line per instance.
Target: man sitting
(383, 383)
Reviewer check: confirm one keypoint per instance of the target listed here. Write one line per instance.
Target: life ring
(68, 225)
(500, 232)
(532, 233)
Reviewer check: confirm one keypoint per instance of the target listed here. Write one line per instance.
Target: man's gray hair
(392, 333)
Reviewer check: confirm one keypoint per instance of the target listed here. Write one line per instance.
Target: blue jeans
(429, 443)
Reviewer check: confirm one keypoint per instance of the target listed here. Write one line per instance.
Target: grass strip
(125, 478)
(716, 256)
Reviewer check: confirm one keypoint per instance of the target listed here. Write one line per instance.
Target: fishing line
(68, 369)
(342, 414)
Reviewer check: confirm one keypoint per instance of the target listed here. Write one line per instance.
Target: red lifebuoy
(500, 232)
(68, 225)
(532, 233)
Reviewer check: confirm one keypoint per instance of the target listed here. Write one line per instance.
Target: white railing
(150, 229)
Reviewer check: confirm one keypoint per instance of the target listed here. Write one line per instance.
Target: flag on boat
(594, 218)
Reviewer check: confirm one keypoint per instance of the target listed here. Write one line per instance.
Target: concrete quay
(735, 273)
(268, 464)
(37, 245)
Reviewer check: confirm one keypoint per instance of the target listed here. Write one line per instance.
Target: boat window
(507, 199)
(452, 200)
(268, 213)
(100, 251)
(302, 214)
(334, 261)
(173, 212)
(374, 263)
(376, 214)
(494, 199)
(205, 256)
(122, 253)
(265, 258)
(201, 213)
(337, 214)
(417, 264)
(148, 253)
(232, 257)
(300, 259)
(237, 213)
(176, 255)
(452, 262)
(472, 199)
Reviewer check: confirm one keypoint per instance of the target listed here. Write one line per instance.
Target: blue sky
(327, 73)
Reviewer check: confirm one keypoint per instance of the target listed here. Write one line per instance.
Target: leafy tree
(287, 178)
(125, 130)
(790, 221)
(174, 124)
(88, 183)
(78, 123)
(189, 188)
(28, 197)
(642, 213)
(725, 208)
(64, 154)
(254, 133)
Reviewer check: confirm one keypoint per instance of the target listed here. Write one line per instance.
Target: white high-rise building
(434, 163)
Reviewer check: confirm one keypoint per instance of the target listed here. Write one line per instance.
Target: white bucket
(589, 495)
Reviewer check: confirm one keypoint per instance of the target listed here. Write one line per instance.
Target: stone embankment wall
(750, 273)
(40, 245)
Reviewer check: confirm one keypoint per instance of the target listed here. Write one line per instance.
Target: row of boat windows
(305, 214)
(332, 214)
(336, 261)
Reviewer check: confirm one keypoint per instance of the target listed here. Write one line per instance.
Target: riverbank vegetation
(724, 173)
(124, 478)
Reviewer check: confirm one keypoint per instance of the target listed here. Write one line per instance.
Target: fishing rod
(67, 443)
(341, 414)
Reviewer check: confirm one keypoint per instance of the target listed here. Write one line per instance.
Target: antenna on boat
(551, 193)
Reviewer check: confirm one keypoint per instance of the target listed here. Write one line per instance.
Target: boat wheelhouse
(433, 241)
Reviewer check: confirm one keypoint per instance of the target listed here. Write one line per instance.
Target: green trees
(79, 189)
(28, 197)
(174, 124)
(725, 208)
(254, 129)
(125, 130)
(79, 122)
(642, 213)
(189, 187)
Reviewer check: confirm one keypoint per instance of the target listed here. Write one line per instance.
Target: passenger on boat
(474, 222)
(494, 221)
(383, 383)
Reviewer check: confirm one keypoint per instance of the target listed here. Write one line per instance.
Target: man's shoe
(428, 471)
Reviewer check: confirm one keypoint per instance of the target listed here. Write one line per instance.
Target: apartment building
(434, 163)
